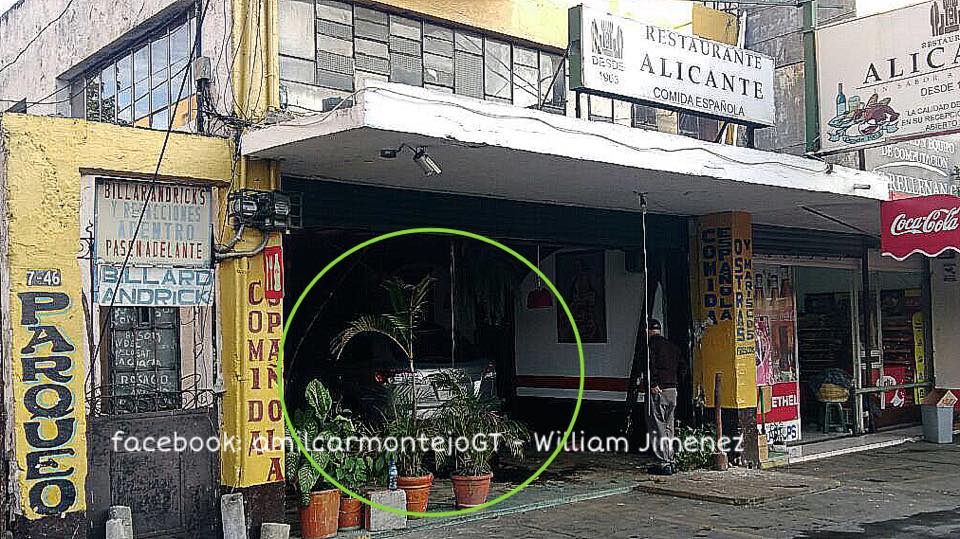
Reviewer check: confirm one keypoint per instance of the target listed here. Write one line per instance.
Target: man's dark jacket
(667, 364)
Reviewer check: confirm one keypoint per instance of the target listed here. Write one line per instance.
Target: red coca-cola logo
(938, 220)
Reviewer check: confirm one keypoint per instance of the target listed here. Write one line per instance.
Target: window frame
(90, 84)
(121, 403)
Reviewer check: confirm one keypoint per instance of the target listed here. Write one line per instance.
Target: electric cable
(149, 197)
(34, 39)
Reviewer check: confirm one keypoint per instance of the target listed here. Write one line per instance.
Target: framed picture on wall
(581, 280)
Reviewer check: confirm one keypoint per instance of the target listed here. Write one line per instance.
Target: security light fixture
(263, 210)
(420, 156)
(426, 163)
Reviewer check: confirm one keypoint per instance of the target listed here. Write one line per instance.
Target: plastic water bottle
(392, 475)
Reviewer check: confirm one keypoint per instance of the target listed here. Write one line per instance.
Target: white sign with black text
(889, 77)
(620, 57)
(153, 244)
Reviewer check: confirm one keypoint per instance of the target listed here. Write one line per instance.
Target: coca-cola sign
(928, 225)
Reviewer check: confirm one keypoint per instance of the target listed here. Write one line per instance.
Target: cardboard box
(764, 447)
(941, 398)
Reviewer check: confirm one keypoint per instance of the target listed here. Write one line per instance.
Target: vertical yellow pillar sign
(49, 408)
(724, 288)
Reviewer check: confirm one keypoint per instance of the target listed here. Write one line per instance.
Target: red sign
(786, 403)
(928, 225)
(273, 273)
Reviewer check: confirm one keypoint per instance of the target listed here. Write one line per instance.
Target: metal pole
(646, 301)
(453, 303)
(811, 93)
(865, 314)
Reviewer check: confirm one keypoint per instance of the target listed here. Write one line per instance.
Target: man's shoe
(660, 469)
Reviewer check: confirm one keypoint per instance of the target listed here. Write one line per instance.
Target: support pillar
(723, 298)
(251, 327)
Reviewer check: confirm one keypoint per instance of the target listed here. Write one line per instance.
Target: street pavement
(910, 490)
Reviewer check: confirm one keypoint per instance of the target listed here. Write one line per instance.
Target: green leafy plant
(408, 308)
(701, 456)
(466, 414)
(322, 421)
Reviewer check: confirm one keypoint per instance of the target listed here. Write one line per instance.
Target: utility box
(938, 416)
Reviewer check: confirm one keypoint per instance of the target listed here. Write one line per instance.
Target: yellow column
(251, 326)
(722, 267)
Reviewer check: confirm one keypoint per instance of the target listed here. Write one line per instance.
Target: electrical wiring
(153, 186)
(34, 39)
(826, 169)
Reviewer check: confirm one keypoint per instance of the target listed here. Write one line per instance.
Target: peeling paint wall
(778, 32)
(88, 32)
(43, 164)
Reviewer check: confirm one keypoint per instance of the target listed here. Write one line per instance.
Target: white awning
(502, 151)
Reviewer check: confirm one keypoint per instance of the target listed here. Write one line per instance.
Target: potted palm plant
(319, 501)
(468, 415)
(408, 307)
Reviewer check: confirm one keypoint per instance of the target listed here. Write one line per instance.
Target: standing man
(667, 367)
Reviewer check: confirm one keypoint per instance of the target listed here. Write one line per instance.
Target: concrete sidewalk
(907, 490)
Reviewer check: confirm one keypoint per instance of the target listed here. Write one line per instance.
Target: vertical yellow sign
(920, 356)
(724, 303)
(49, 411)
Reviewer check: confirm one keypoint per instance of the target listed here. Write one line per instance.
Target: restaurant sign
(153, 244)
(889, 77)
(623, 58)
(928, 225)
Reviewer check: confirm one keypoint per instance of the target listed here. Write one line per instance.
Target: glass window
(143, 359)
(140, 86)
(553, 82)
(496, 70)
(644, 116)
(696, 126)
(108, 94)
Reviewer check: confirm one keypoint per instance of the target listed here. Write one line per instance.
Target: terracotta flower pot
(418, 491)
(319, 519)
(351, 513)
(471, 490)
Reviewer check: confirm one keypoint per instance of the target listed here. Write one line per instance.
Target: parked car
(363, 378)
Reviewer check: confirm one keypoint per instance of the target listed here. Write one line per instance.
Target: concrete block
(379, 520)
(115, 529)
(269, 530)
(124, 515)
(234, 519)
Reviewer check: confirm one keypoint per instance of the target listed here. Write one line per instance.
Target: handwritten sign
(175, 229)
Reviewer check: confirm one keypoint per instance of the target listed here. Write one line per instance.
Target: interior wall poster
(581, 280)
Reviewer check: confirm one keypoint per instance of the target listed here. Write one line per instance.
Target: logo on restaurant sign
(607, 39)
(944, 17)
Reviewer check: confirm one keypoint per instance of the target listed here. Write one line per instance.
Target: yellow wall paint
(251, 407)
(545, 21)
(43, 161)
(722, 291)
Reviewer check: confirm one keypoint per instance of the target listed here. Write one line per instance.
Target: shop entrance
(806, 331)
(817, 376)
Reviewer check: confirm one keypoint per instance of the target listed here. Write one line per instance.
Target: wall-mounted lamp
(423, 160)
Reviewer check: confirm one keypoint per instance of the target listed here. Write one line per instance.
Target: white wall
(88, 30)
(539, 354)
(945, 296)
